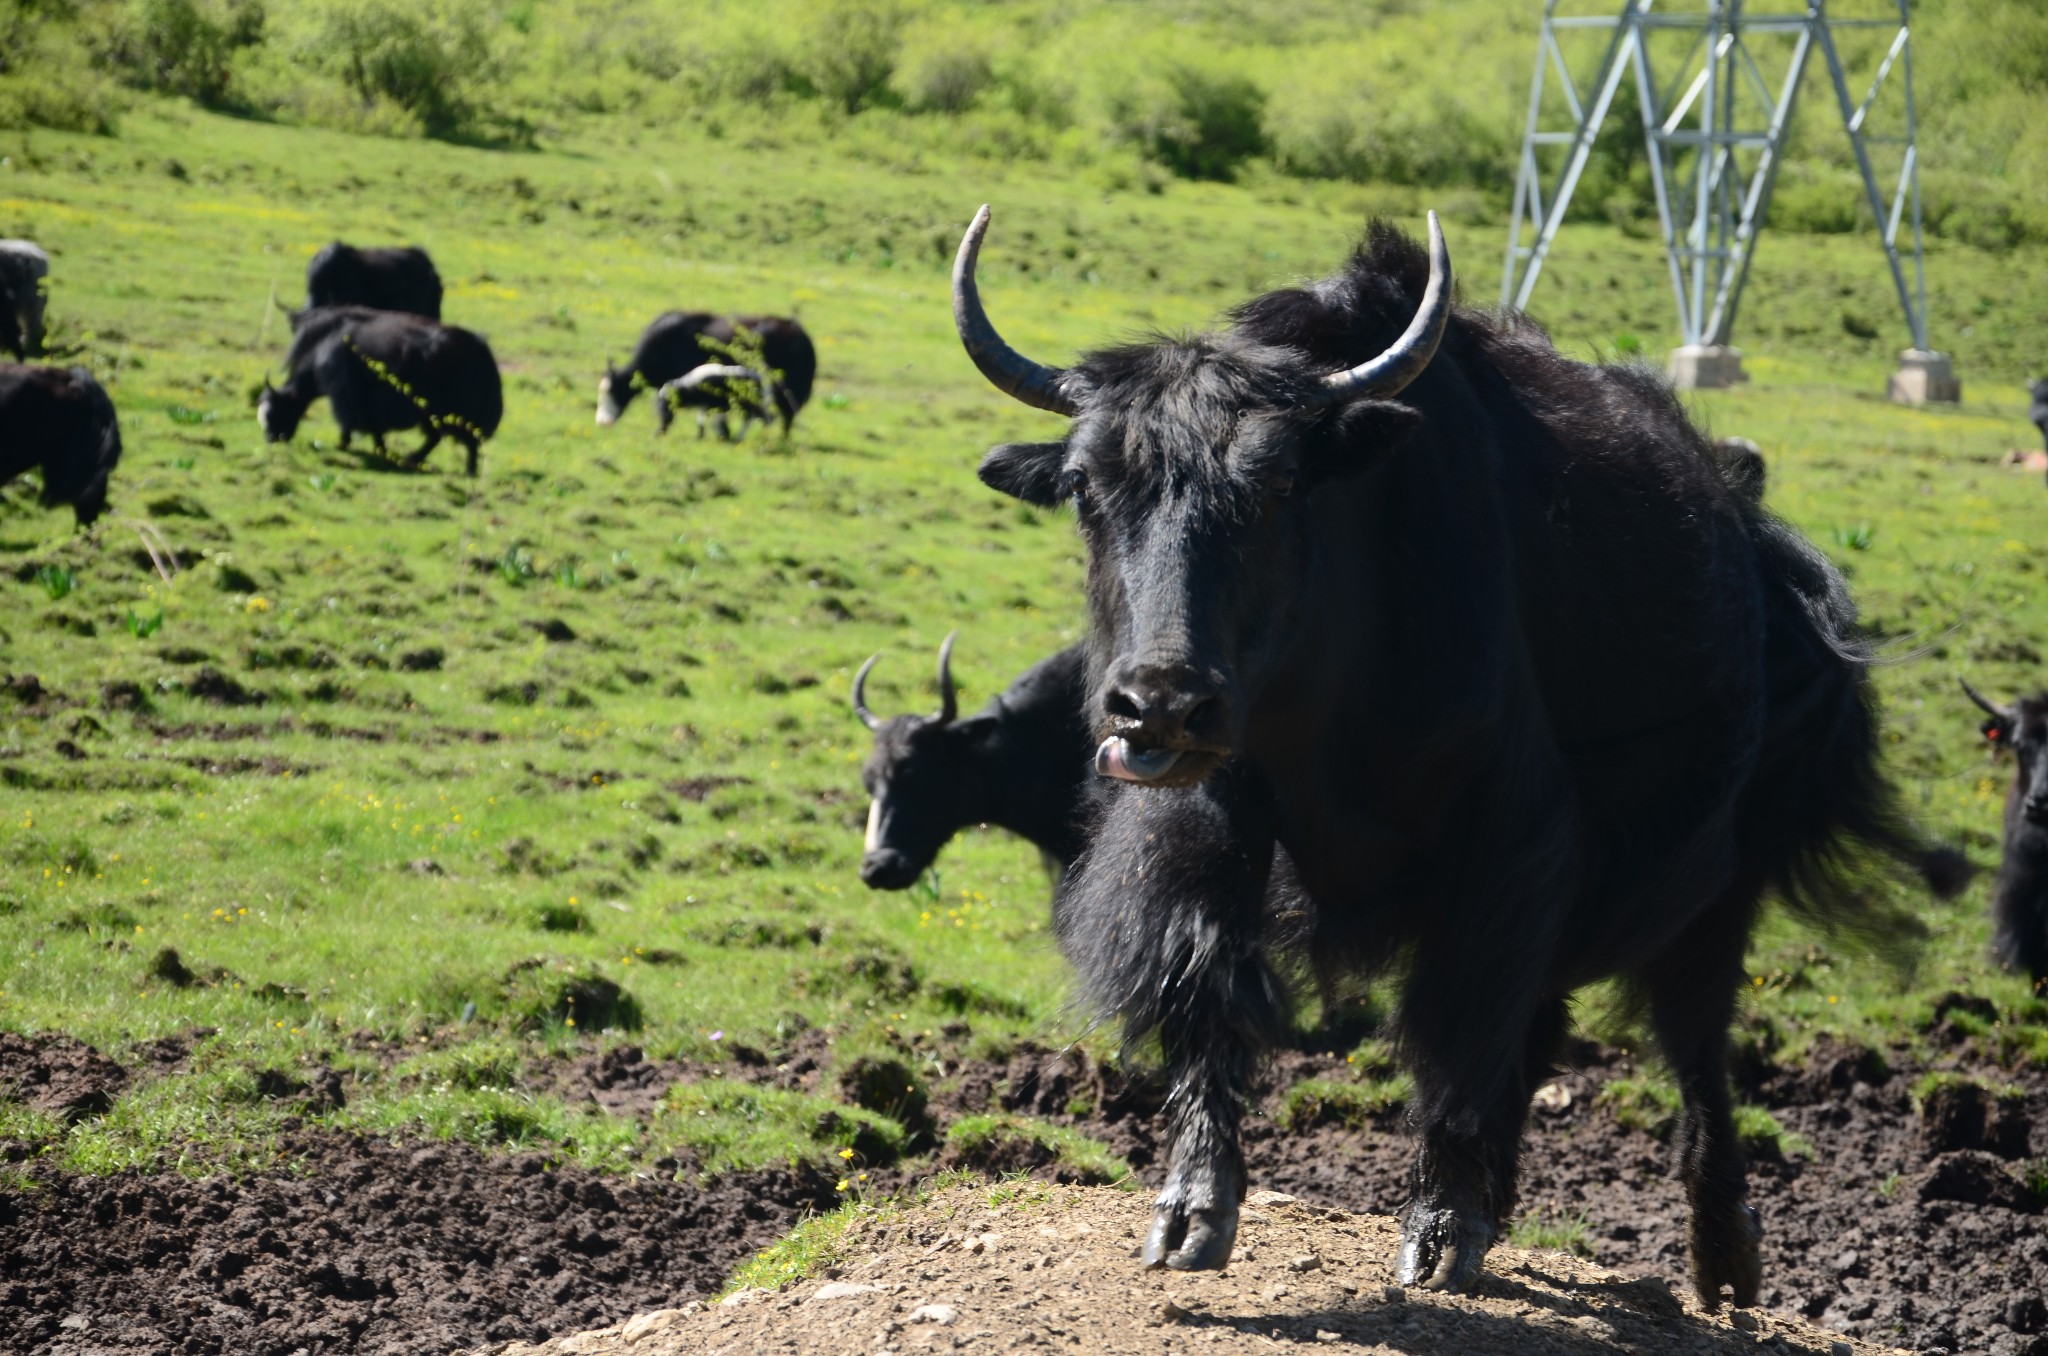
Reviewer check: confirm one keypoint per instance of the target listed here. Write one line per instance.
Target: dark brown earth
(1899, 1228)
(366, 1246)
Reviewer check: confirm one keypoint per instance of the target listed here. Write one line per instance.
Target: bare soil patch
(1055, 1270)
(366, 1246)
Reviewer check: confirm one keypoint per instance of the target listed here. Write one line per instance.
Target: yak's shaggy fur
(60, 419)
(1526, 691)
(2019, 903)
(384, 278)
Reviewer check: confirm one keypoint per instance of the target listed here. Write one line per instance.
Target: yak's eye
(1073, 484)
(1281, 486)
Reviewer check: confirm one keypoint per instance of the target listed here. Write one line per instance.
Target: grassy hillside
(562, 755)
(1416, 92)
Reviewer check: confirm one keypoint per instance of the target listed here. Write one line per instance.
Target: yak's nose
(887, 869)
(1167, 706)
(2036, 808)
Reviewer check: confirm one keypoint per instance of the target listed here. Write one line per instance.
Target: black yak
(60, 419)
(2037, 409)
(383, 371)
(681, 341)
(1480, 637)
(2019, 902)
(1020, 763)
(23, 266)
(384, 279)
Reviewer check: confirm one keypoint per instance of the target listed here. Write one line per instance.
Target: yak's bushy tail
(1827, 822)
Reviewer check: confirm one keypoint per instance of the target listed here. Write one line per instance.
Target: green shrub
(185, 46)
(417, 59)
(850, 49)
(942, 68)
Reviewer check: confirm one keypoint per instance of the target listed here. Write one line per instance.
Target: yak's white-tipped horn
(1009, 371)
(1404, 360)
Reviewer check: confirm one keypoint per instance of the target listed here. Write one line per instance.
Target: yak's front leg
(1161, 918)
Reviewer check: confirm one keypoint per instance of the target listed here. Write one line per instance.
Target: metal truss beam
(1714, 130)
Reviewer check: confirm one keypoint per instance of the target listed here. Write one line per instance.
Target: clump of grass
(1000, 1140)
(57, 581)
(816, 1243)
(473, 1067)
(549, 992)
(1931, 1082)
(491, 1117)
(2034, 1177)
(1647, 1104)
(1329, 1101)
(1554, 1233)
(1763, 1137)
(730, 1126)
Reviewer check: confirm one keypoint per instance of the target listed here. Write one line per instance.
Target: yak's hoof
(1190, 1240)
(1442, 1249)
(1734, 1259)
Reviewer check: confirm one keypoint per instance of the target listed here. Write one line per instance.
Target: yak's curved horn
(1010, 371)
(1989, 709)
(1404, 361)
(949, 697)
(860, 694)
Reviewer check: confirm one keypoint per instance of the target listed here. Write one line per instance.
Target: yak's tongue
(1116, 758)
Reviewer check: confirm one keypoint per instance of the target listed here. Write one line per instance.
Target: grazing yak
(383, 371)
(60, 419)
(2038, 409)
(1020, 763)
(23, 266)
(398, 279)
(1527, 693)
(2019, 905)
(682, 341)
(731, 386)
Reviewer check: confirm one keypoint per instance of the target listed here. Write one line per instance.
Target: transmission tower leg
(1925, 377)
(1706, 367)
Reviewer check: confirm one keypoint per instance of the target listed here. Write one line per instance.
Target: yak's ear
(1364, 434)
(1997, 729)
(1027, 471)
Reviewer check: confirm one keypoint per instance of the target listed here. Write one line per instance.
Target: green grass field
(443, 827)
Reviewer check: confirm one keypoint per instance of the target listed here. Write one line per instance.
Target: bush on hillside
(184, 46)
(850, 49)
(421, 61)
(943, 68)
(1188, 109)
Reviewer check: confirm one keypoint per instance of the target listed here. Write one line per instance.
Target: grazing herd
(370, 341)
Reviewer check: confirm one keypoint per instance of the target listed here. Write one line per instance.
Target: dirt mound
(365, 1246)
(58, 1075)
(1055, 1269)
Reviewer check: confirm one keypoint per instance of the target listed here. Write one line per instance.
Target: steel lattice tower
(1714, 131)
